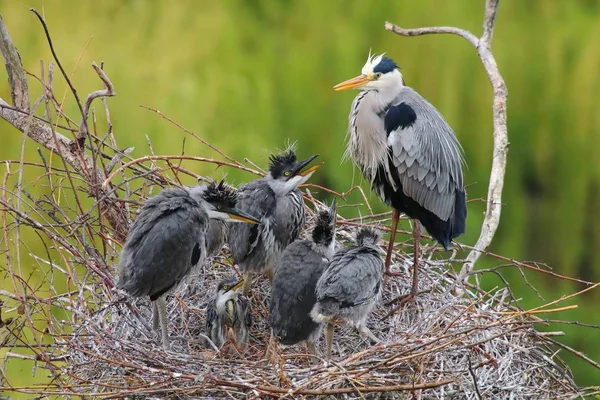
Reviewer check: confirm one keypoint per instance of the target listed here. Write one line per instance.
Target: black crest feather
(221, 193)
(324, 228)
(367, 236)
(281, 162)
(385, 65)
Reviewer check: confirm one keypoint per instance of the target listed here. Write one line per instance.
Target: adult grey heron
(409, 154)
(277, 201)
(168, 238)
(293, 289)
(229, 310)
(350, 287)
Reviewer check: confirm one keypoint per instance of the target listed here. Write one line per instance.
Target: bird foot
(390, 273)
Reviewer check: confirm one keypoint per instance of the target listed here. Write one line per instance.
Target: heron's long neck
(367, 144)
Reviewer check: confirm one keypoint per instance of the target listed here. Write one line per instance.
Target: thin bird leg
(365, 331)
(417, 239)
(329, 339)
(155, 318)
(247, 282)
(388, 258)
(161, 307)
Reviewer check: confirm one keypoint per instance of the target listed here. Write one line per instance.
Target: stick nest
(476, 345)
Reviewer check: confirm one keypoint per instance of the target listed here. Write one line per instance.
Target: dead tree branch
(494, 198)
(14, 68)
(18, 115)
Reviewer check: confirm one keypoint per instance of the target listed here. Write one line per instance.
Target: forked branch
(494, 199)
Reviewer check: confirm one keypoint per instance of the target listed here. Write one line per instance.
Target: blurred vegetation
(249, 76)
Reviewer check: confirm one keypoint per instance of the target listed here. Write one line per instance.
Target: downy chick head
(286, 173)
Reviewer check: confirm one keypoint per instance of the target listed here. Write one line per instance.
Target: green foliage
(251, 76)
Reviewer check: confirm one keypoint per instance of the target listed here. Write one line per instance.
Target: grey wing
(426, 153)
(352, 277)
(290, 218)
(215, 237)
(164, 243)
(257, 199)
(213, 325)
(246, 310)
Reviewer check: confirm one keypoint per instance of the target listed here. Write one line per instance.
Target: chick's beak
(304, 163)
(353, 83)
(237, 285)
(239, 215)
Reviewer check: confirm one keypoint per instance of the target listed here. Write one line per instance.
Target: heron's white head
(378, 73)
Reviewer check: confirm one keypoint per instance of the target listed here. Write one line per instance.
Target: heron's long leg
(155, 317)
(329, 339)
(388, 258)
(161, 307)
(417, 239)
(247, 282)
(365, 331)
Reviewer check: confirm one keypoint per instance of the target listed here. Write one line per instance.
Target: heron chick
(350, 287)
(229, 310)
(293, 290)
(409, 154)
(276, 200)
(168, 239)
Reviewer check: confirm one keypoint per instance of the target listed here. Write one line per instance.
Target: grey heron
(229, 310)
(350, 287)
(293, 289)
(277, 201)
(409, 154)
(168, 238)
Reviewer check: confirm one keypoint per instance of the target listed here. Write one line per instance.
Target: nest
(476, 345)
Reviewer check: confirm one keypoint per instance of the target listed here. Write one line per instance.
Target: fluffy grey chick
(293, 289)
(229, 310)
(276, 200)
(168, 239)
(350, 286)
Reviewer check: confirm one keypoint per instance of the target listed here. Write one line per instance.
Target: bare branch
(494, 198)
(108, 91)
(16, 75)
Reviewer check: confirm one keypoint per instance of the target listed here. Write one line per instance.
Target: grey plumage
(168, 239)
(229, 310)
(275, 200)
(293, 289)
(216, 236)
(350, 286)
(409, 154)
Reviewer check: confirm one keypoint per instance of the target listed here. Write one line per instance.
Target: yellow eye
(287, 173)
(225, 287)
(219, 207)
(378, 75)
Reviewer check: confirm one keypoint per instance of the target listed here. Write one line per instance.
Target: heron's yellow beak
(359, 81)
(239, 215)
(311, 169)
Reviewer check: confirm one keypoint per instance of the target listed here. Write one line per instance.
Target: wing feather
(426, 154)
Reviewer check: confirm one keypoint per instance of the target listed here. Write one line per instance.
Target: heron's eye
(219, 207)
(377, 75)
(287, 173)
(225, 287)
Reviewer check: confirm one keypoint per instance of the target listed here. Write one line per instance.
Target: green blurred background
(249, 76)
